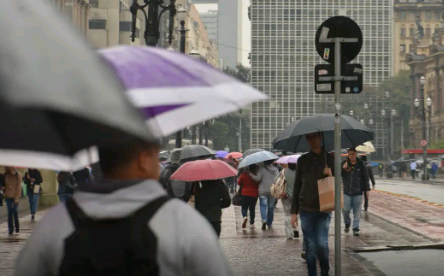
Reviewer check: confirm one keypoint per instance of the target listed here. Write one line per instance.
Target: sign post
(342, 36)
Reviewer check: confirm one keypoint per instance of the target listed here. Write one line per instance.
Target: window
(428, 32)
(125, 26)
(411, 48)
(402, 32)
(402, 48)
(94, 3)
(412, 32)
(97, 24)
(403, 15)
(429, 16)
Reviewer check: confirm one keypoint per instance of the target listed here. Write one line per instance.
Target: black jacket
(32, 174)
(166, 174)
(370, 174)
(211, 197)
(355, 178)
(82, 175)
(309, 170)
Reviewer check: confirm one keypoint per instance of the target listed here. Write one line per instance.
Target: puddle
(429, 262)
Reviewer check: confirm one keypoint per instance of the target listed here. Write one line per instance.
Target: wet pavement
(10, 245)
(408, 262)
(257, 252)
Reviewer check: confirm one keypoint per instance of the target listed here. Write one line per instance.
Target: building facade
(283, 59)
(407, 15)
(76, 11)
(110, 24)
(210, 21)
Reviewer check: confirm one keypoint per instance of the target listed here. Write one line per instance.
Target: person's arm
(26, 179)
(225, 196)
(71, 182)
(371, 176)
(18, 188)
(364, 178)
(188, 191)
(256, 177)
(38, 178)
(297, 189)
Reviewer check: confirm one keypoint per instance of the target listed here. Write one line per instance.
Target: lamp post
(420, 104)
(383, 136)
(351, 113)
(207, 130)
(156, 8)
(362, 121)
(392, 137)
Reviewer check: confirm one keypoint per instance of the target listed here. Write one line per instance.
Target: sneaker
(32, 217)
(251, 226)
(303, 255)
(17, 230)
(264, 225)
(270, 227)
(244, 223)
(347, 228)
(295, 234)
(356, 232)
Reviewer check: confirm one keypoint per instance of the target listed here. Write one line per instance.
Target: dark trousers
(413, 173)
(249, 203)
(217, 227)
(12, 215)
(365, 201)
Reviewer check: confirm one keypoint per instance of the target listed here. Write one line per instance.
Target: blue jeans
(248, 203)
(267, 204)
(33, 198)
(12, 215)
(64, 198)
(352, 203)
(315, 227)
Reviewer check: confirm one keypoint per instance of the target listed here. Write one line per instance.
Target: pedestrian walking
(13, 189)
(434, 170)
(381, 169)
(372, 179)
(175, 188)
(413, 167)
(33, 179)
(248, 190)
(290, 178)
(312, 167)
(67, 186)
(211, 197)
(83, 176)
(265, 177)
(355, 183)
(124, 224)
(403, 170)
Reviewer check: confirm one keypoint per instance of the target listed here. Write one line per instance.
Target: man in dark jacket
(33, 179)
(355, 184)
(312, 167)
(175, 188)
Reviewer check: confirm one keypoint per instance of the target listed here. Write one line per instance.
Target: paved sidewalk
(257, 252)
(10, 245)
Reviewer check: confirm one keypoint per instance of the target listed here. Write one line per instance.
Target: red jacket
(249, 186)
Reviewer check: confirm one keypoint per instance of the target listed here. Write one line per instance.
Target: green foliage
(437, 145)
(241, 72)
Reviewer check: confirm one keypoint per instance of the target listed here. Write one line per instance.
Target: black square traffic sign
(351, 82)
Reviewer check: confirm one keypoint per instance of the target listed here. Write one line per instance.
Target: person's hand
(27, 175)
(16, 201)
(327, 171)
(345, 166)
(294, 221)
(367, 194)
(33, 179)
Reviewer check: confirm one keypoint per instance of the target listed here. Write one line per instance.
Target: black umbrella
(293, 139)
(57, 98)
(194, 152)
(250, 151)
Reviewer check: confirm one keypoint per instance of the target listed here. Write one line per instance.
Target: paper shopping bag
(36, 189)
(326, 190)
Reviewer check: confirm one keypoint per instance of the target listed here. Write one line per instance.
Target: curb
(410, 197)
(439, 246)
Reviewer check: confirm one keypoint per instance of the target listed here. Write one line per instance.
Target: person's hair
(364, 158)
(252, 168)
(114, 157)
(269, 162)
(352, 149)
(292, 166)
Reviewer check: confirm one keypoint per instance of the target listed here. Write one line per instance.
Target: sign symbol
(423, 143)
(347, 89)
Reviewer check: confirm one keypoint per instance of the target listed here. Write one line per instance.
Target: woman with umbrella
(211, 193)
(248, 190)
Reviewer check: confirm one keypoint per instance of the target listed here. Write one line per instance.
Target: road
(430, 192)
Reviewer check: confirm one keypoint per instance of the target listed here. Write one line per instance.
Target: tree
(241, 72)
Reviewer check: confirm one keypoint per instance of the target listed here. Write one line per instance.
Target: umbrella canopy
(366, 147)
(174, 90)
(193, 152)
(288, 159)
(234, 154)
(221, 153)
(58, 99)
(202, 170)
(251, 151)
(256, 158)
(293, 137)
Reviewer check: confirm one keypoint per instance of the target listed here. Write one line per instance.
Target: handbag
(236, 200)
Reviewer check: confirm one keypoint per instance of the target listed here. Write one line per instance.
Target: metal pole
(240, 135)
(383, 141)
(337, 156)
(207, 126)
(183, 32)
(392, 140)
(402, 134)
(424, 132)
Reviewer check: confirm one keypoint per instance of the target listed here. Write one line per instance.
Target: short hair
(113, 157)
(352, 149)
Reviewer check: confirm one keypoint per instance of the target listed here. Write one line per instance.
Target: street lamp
(387, 94)
(351, 113)
(393, 113)
(429, 102)
(416, 102)
(420, 104)
(371, 122)
(155, 10)
(362, 121)
(366, 106)
(383, 113)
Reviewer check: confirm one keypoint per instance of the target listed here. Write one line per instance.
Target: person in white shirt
(413, 167)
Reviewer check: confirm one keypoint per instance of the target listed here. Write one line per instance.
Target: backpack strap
(78, 216)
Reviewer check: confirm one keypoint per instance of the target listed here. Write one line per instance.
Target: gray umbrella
(194, 152)
(293, 137)
(251, 151)
(56, 93)
(257, 157)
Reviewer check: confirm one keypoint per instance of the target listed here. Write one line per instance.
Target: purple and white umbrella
(175, 91)
(288, 159)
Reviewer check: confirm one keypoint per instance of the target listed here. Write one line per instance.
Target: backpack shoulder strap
(77, 215)
(148, 211)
